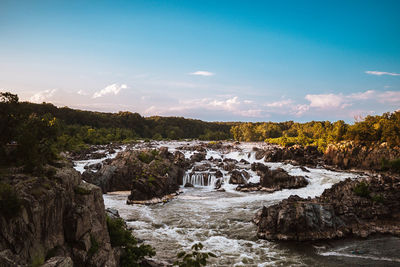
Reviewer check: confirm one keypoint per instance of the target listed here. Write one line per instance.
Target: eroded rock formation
(351, 207)
(54, 215)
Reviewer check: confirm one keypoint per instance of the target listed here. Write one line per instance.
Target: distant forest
(41, 130)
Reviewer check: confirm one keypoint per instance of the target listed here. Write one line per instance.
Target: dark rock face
(349, 154)
(197, 157)
(350, 207)
(188, 185)
(147, 173)
(60, 214)
(280, 179)
(237, 177)
(296, 154)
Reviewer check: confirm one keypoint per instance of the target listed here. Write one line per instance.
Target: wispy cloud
(111, 89)
(42, 96)
(81, 92)
(380, 73)
(202, 73)
(325, 100)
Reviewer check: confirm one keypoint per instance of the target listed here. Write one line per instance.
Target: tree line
(33, 134)
(379, 128)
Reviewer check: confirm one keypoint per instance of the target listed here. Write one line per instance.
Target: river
(222, 221)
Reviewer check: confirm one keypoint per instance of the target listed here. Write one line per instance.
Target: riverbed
(222, 221)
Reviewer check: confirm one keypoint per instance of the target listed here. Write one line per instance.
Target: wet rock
(237, 177)
(259, 167)
(304, 169)
(229, 166)
(296, 154)
(260, 154)
(197, 157)
(218, 174)
(202, 167)
(351, 207)
(218, 183)
(280, 179)
(243, 161)
(188, 185)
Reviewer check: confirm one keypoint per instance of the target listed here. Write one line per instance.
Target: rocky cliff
(55, 217)
(352, 207)
(146, 173)
(350, 154)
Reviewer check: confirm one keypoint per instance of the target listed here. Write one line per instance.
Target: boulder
(237, 177)
(352, 207)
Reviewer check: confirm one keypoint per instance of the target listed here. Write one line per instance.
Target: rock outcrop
(351, 207)
(54, 217)
(146, 173)
(350, 154)
(297, 155)
(273, 180)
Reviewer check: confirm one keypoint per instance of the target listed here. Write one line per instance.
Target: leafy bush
(378, 198)
(37, 261)
(81, 190)
(362, 189)
(393, 165)
(10, 204)
(146, 157)
(195, 259)
(122, 237)
(119, 235)
(94, 246)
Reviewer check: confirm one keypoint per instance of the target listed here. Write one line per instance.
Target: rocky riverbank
(54, 219)
(351, 207)
(371, 156)
(150, 174)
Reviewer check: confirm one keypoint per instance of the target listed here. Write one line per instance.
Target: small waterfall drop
(199, 179)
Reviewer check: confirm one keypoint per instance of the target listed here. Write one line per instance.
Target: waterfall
(199, 179)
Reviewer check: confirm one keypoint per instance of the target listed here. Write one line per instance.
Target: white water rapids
(221, 221)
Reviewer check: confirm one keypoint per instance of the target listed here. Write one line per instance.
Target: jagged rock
(218, 183)
(280, 179)
(56, 212)
(229, 166)
(237, 177)
(218, 174)
(188, 185)
(147, 173)
(350, 154)
(256, 166)
(351, 207)
(197, 157)
(59, 262)
(296, 154)
(244, 161)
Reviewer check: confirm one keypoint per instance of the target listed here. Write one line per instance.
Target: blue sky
(212, 60)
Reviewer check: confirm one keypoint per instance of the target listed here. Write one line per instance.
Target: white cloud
(363, 95)
(325, 101)
(81, 92)
(42, 96)
(279, 104)
(202, 73)
(389, 97)
(380, 73)
(111, 89)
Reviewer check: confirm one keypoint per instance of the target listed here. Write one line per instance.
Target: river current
(221, 221)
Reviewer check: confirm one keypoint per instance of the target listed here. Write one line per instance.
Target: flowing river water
(222, 221)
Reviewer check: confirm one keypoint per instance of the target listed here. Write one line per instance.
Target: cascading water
(222, 221)
(199, 179)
